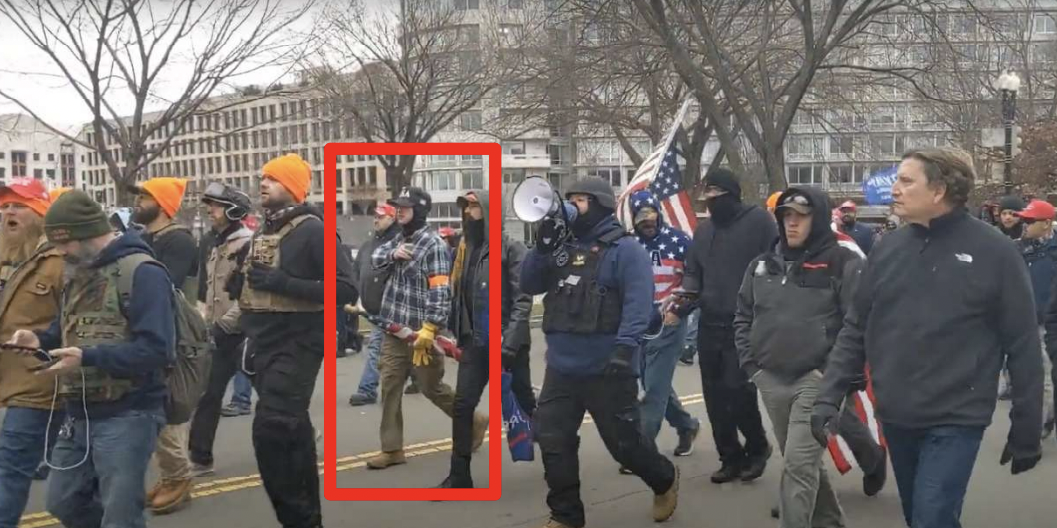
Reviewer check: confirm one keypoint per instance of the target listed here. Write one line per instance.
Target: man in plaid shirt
(417, 295)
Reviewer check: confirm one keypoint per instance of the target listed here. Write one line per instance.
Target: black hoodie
(718, 257)
(792, 302)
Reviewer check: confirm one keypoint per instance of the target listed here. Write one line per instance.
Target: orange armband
(437, 281)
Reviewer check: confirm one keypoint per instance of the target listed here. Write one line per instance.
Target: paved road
(234, 498)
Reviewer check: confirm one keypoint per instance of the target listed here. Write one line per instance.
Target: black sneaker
(358, 399)
(774, 512)
(728, 472)
(756, 466)
(686, 442)
(42, 472)
(1047, 428)
(625, 471)
(230, 410)
(411, 389)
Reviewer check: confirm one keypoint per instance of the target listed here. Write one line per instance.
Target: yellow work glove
(423, 347)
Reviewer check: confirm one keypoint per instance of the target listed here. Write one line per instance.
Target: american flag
(660, 175)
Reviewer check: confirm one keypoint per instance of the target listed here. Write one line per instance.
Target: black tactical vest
(576, 303)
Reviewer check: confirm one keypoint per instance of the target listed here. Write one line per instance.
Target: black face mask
(723, 208)
(474, 230)
(585, 222)
(418, 221)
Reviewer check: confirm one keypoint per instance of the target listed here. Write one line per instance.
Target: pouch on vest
(577, 302)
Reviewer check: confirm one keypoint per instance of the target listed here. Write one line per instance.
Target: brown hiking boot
(384, 460)
(153, 492)
(173, 495)
(664, 505)
(555, 524)
(480, 428)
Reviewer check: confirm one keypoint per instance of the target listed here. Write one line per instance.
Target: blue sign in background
(878, 186)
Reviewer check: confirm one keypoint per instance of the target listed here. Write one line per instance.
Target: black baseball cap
(414, 197)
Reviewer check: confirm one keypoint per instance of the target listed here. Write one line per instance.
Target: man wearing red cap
(1039, 247)
(281, 298)
(32, 285)
(849, 225)
(385, 229)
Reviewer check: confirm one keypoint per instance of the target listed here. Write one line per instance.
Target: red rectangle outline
(331, 491)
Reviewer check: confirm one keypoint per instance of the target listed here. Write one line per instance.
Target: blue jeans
(108, 489)
(369, 378)
(242, 391)
(21, 451)
(932, 469)
(659, 358)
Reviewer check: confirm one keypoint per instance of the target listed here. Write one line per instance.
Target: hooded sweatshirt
(666, 249)
(469, 284)
(150, 320)
(1041, 258)
(624, 269)
(792, 301)
(719, 254)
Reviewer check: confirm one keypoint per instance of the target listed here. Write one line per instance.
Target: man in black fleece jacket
(940, 305)
(721, 250)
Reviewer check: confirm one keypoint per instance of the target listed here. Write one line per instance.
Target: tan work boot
(173, 495)
(153, 492)
(384, 460)
(555, 524)
(664, 505)
(480, 428)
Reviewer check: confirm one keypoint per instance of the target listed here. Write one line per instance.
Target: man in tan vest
(281, 295)
(227, 207)
(29, 299)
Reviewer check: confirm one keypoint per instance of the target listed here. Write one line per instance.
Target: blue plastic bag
(518, 426)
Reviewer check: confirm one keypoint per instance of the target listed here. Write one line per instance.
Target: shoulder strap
(611, 237)
(126, 270)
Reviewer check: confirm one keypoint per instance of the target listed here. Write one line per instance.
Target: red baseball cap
(27, 191)
(1038, 210)
(385, 210)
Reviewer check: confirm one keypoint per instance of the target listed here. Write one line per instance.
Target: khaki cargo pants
(395, 366)
(171, 452)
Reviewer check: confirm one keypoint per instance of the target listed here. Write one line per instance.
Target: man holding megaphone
(599, 294)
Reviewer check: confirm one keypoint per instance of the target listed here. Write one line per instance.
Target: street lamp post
(1008, 84)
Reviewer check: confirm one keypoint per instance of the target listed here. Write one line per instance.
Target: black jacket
(791, 308)
(517, 305)
(937, 312)
(301, 257)
(718, 257)
(363, 257)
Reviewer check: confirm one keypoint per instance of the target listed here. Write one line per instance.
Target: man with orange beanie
(280, 293)
(29, 299)
(175, 247)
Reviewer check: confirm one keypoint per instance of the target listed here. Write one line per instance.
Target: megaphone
(534, 199)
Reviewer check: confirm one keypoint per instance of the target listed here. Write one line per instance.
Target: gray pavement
(234, 498)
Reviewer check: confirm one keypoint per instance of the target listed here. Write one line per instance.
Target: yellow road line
(230, 484)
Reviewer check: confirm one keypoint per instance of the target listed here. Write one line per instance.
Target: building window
(472, 179)
(36, 156)
(18, 164)
(467, 4)
(38, 173)
(1044, 25)
(372, 176)
(840, 144)
(51, 157)
(805, 175)
(887, 145)
(610, 174)
(514, 147)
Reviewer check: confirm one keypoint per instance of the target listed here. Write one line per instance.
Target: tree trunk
(774, 167)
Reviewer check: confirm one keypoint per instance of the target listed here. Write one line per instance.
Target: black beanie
(1010, 203)
(75, 216)
(724, 179)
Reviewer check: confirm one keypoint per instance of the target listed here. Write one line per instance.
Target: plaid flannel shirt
(418, 289)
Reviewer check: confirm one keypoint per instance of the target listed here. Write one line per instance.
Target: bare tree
(763, 56)
(404, 75)
(110, 51)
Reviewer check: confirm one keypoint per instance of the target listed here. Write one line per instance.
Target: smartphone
(39, 353)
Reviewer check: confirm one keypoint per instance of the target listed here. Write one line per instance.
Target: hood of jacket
(822, 235)
(271, 225)
(644, 198)
(127, 244)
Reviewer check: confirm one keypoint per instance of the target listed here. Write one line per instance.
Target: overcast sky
(30, 75)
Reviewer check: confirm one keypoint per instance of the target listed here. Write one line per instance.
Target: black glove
(507, 357)
(620, 362)
(823, 419)
(234, 285)
(547, 235)
(266, 278)
(1020, 464)
(217, 332)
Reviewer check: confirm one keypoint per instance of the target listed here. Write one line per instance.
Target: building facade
(29, 149)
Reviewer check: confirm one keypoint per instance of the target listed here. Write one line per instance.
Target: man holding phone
(29, 299)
